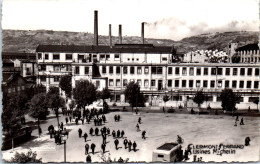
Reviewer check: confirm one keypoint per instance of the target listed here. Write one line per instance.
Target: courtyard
(160, 128)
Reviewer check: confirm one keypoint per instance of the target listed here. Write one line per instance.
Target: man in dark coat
(80, 133)
(129, 145)
(77, 120)
(118, 117)
(82, 120)
(115, 117)
(103, 147)
(116, 143)
(143, 134)
(91, 131)
(86, 149)
(85, 136)
(118, 134)
(67, 120)
(88, 159)
(70, 118)
(122, 133)
(96, 131)
(108, 131)
(61, 125)
(125, 143)
(139, 120)
(104, 118)
(134, 146)
(93, 148)
(104, 136)
(114, 133)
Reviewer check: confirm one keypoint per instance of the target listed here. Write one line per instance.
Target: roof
(248, 47)
(117, 48)
(167, 146)
(18, 55)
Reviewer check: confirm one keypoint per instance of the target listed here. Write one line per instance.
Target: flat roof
(167, 146)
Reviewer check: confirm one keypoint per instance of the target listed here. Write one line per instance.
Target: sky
(165, 19)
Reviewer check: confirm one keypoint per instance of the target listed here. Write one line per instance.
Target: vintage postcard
(130, 81)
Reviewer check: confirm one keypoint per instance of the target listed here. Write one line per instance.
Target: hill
(27, 41)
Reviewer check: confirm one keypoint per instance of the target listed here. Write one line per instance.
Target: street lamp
(64, 132)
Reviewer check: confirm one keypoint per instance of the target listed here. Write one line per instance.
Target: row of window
(55, 78)
(56, 68)
(16, 89)
(212, 83)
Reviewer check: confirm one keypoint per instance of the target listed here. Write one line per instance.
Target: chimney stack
(110, 36)
(96, 27)
(142, 32)
(120, 34)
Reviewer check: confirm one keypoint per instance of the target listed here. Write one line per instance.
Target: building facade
(155, 70)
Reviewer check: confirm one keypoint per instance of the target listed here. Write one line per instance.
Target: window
(97, 83)
(234, 84)
(219, 83)
(169, 83)
(256, 84)
(139, 70)
(125, 70)
(183, 83)
(159, 70)
(169, 70)
(219, 71)
(128, 59)
(234, 71)
(164, 59)
(242, 71)
(68, 56)
(241, 84)
(76, 70)
(39, 56)
(104, 70)
(146, 83)
(160, 156)
(56, 56)
(226, 84)
(137, 59)
(249, 71)
(191, 83)
(191, 71)
(228, 71)
(184, 71)
(132, 70)
(213, 71)
(197, 83)
(56, 68)
(116, 56)
(198, 71)
(205, 83)
(177, 71)
(133, 59)
(139, 82)
(111, 82)
(56, 78)
(118, 70)
(117, 98)
(86, 70)
(43, 78)
(46, 56)
(153, 70)
(102, 57)
(118, 82)
(125, 82)
(248, 84)
(81, 57)
(206, 71)
(111, 69)
(146, 70)
(107, 57)
(177, 83)
(152, 83)
(212, 83)
(257, 71)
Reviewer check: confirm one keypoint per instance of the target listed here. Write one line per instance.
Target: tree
(84, 93)
(133, 95)
(65, 84)
(199, 98)
(38, 107)
(105, 94)
(228, 99)
(29, 157)
(165, 99)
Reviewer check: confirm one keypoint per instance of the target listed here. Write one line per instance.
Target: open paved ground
(160, 128)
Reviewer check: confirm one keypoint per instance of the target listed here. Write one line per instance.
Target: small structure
(168, 152)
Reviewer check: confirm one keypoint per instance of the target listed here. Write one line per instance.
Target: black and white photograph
(127, 81)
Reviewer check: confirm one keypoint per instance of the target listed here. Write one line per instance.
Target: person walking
(82, 120)
(96, 131)
(125, 143)
(122, 133)
(67, 120)
(93, 148)
(134, 146)
(77, 120)
(103, 147)
(137, 128)
(129, 145)
(104, 136)
(70, 118)
(139, 120)
(116, 143)
(114, 133)
(118, 117)
(115, 118)
(242, 121)
(88, 159)
(118, 134)
(108, 131)
(85, 136)
(86, 149)
(61, 125)
(143, 134)
(80, 133)
(91, 131)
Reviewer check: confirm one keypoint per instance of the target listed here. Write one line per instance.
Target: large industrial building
(158, 70)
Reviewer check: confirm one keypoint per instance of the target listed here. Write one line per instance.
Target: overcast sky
(166, 19)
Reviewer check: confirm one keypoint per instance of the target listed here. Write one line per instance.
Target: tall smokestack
(110, 36)
(142, 32)
(120, 34)
(96, 27)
